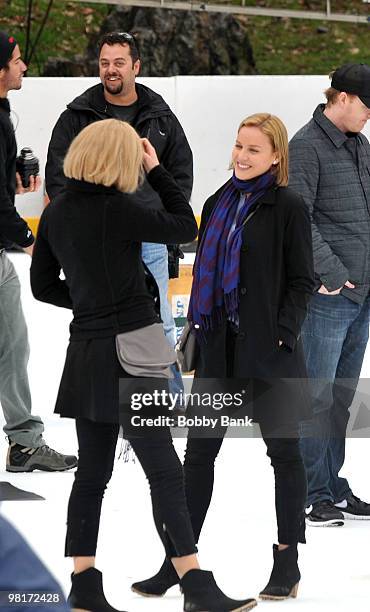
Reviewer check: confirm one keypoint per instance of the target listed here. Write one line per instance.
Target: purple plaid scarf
(216, 268)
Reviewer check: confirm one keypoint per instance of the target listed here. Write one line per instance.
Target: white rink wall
(208, 107)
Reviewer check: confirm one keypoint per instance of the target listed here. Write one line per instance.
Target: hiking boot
(26, 459)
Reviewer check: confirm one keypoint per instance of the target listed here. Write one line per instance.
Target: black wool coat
(276, 283)
(94, 234)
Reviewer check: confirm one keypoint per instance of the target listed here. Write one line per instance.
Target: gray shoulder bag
(146, 352)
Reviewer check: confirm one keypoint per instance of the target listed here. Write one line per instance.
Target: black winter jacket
(154, 120)
(94, 234)
(276, 283)
(12, 227)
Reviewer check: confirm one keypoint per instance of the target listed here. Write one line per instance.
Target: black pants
(163, 469)
(286, 460)
(290, 482)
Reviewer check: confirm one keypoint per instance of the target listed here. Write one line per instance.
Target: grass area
(295, 46)
(66, 32)
(281, 46)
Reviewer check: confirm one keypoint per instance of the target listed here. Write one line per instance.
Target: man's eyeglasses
(124, 35)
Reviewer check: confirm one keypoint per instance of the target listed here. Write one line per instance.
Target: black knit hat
(7, 45)
(353, 79)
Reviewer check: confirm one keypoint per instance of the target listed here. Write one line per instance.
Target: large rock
(63, 67)
(173, 42)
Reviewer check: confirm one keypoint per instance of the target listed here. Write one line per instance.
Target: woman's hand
(150, 159)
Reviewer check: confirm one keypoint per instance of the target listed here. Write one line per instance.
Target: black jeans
(286, 460)
(163, 469)
(290, 482)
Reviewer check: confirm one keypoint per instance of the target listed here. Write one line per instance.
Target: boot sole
(293, 593)
(42, 468)
(147, 594)
(244, 608)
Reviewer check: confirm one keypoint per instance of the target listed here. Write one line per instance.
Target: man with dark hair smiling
(119, 96)
(27, 449)
(329, 167)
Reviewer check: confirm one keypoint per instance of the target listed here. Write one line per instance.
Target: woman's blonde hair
(275, 129)
(107, 152)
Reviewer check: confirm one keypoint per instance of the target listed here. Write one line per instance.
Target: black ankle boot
(202, 593)
(157, 585)
(87, 592)
(285, 575)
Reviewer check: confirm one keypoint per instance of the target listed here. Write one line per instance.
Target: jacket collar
(269, 197)
(150, 103)
(337, 137)
(76, 185)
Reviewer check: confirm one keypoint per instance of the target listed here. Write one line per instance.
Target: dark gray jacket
(331, 170)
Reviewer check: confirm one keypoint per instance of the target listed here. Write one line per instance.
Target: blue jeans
(335, 336)
(155, 257)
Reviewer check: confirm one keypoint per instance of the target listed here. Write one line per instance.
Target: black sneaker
(354, 508)
(325, 514)
(26, 459)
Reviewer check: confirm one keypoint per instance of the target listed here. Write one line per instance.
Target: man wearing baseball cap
(329, 167)
(27, 449)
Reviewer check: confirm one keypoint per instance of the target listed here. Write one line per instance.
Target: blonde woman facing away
(93, 231)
